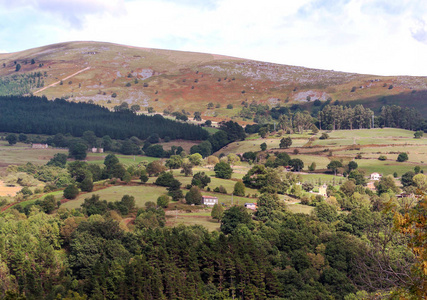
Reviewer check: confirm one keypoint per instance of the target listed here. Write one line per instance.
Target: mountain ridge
(175, 80)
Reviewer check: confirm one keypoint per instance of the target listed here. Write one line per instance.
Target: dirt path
(63, 79)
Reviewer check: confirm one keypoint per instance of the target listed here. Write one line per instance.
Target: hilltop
(109, 74)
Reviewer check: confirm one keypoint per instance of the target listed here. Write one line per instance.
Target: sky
(381, 37)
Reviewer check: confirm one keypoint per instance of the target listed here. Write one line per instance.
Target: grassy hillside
(174, 80)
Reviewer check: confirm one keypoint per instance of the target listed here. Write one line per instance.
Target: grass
(142, 194)
(98, 158)
(298, 208)
(22, 153)
(194, 219)
(384, 167)
(57, 194)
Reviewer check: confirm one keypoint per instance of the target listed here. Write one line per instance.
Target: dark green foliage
(406, 178)
(60, 116)
(164, 179)
(217, 212)
(58, 160)
(174, 162)
(418, 134)
(223, 170)
(385, 184)
(22, 138)
(204, 149)
(194, 196)
(324, 136)
(113, 168)
(334, 165)
(11, 139)
(163, 201)
(87, 184)
(239, 188)
(285, 142)
(94, 206)
(233, 217)
(325, 212)
(48, 204)
(296, 164)
(71, 192)
(263, 146)
(249, 156)
(144, 176)
(402, 157)
(77, 150)
(201, 180)
(352, 165)
(154, 151)
(358, 177)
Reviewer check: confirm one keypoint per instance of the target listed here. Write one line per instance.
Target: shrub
(229, 106)
(418, 134)
(194, 196)
(382, 157)
(324, 136)
(163, 201)
(71, 192)
(402, 157)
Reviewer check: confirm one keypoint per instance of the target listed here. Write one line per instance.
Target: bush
(382, 157)
(163, 201)
(324, 136)
(419, 134)
(223, 170)
(71, 192)
(26, 191)
(402, 157)
(194, 196)
(220, 189)
(229, 106)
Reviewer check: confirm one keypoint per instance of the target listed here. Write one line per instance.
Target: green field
(98, 158)
(22, 153)
(142, 194)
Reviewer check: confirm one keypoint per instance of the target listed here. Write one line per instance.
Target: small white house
(97, 150)
(251, 206)
(322, 190)
(376, 176)
(209, 200)
(39, 146)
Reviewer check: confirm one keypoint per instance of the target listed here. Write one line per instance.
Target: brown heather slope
(178, 80)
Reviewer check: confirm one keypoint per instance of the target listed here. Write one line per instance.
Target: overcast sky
(383, 37)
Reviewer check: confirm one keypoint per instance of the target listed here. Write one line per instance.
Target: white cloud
(364, 36)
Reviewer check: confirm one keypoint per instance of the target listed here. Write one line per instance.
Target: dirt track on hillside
(63, 79)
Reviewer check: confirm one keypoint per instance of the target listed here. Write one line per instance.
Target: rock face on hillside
(110, 74)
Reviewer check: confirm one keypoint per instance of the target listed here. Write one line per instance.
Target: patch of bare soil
(8, 190)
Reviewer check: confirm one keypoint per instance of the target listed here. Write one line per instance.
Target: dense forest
(37, 115)
(328, 115)
(374, 249)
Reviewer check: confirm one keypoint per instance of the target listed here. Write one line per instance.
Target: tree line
(38, 115)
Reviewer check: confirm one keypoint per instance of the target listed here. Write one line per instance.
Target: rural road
(63, 79)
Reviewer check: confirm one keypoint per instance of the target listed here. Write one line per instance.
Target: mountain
(109, 74)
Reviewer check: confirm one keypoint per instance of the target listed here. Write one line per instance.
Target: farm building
(209, 200)
(97, 150)
(252, 206)
(322, 190)
(376, 176)
(39, 146)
